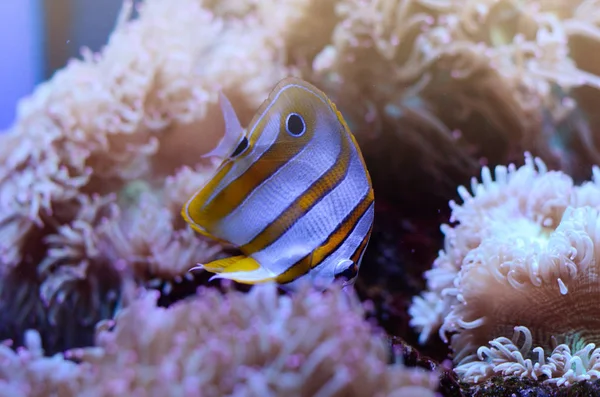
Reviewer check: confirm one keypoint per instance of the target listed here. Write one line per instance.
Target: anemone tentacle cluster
(94, 169)
(214, 344)
(517, 282)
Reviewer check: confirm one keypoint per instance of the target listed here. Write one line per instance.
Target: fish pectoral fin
(242, 269)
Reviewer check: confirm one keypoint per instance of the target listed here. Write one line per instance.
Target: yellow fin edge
(241, 269)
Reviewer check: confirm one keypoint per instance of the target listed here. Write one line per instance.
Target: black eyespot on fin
(349, 273)
(243, 145)
(295, 125)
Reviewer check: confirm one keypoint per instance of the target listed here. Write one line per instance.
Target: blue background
(39, 36)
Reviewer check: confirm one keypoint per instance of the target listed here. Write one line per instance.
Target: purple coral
(254, 344)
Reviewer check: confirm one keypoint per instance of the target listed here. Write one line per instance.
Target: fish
(292, 193)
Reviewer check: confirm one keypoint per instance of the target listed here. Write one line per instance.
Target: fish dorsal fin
(233, 130)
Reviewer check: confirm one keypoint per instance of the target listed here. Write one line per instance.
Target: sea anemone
(79, 285)
(27, 372)
(133, 114)
(94, 170)
(445, 84)
(255, 344)
(522, 257)
(145, 235)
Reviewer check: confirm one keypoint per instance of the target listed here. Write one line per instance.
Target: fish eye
(349, 273)
(295, 125)
(241, 147)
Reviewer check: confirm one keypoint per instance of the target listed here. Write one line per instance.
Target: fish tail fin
(241, 269)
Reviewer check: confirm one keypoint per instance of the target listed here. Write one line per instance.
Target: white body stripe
(268, 201)
(310, 231)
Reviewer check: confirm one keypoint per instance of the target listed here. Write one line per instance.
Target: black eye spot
(294, 124)
(240, 148)
(349, 273)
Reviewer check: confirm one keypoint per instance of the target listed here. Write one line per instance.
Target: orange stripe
(341, 119)
(333, 242)
(356, 256)
(300, 207)
(194, 209)
(298, 269)
(276, 156)
(336, 239)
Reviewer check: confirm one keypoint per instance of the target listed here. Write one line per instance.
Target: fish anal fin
(242, 269)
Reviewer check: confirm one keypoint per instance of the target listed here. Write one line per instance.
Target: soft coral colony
(96, 163)
(517, 281)
(103, 155)
(255, 344)
(118, 121)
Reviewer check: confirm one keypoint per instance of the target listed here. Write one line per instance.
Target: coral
(521, 256)
(120, 104)
(28, 373)
(253, 344)
(581, 24)
(35, 178)
(462, 76)
(95, 169)
(63, 285)
(143, 237)
(101, 126)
